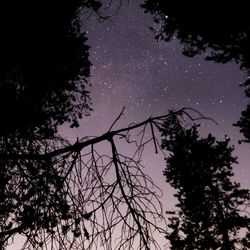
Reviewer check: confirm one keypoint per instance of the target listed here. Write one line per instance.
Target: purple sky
(130, 68)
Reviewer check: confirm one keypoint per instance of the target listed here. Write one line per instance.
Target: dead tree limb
(62, 196)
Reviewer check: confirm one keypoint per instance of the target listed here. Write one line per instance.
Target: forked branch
(84, 196)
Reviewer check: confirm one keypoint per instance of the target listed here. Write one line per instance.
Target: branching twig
(119, 116)
(76, 197)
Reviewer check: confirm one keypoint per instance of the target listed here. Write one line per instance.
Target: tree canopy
(44, 65)
(218, 30)
(59, 195)
(211, 208)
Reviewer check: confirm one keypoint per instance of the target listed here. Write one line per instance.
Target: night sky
(131, 69)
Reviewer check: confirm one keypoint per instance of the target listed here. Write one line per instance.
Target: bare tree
(86, 195)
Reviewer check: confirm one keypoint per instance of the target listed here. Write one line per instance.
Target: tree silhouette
(63, 196)
(212, 208)
(55, 194)
(220, 31)
(44, 65)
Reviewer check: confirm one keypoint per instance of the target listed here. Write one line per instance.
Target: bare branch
(63, 196)
(119, 116)
(80, 145)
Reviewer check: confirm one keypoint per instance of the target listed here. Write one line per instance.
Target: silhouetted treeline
(54, 193)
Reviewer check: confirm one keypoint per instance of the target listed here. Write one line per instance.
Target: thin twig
(119, 116)
(153, 136)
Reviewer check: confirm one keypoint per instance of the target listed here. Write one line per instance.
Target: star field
(131, 69)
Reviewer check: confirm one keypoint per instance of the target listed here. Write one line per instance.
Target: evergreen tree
(211, 206)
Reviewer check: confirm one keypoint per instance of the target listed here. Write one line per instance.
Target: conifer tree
(211, 207)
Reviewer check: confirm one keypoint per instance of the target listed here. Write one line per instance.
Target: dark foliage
(30, 190)
(58, 195)
(43, 65)
(220, 30)
(244, 122)
(212, 207)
